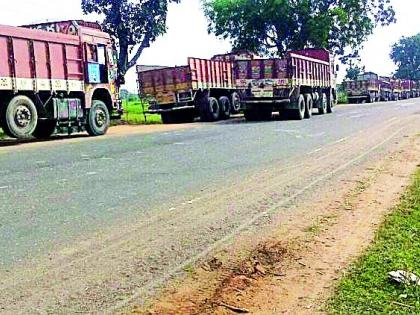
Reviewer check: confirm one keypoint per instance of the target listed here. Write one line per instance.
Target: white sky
(187, 32)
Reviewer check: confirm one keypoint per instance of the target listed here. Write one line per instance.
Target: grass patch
(2, 135)
(366, 289)
(342, 98)
(134, 114)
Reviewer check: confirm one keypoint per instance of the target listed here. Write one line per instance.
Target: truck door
(96, 64)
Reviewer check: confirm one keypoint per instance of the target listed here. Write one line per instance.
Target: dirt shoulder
(294, 268)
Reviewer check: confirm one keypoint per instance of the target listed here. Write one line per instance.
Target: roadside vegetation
(367, 289)
(134, 110)
(2, 135)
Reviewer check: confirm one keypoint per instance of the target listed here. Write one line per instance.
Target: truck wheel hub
(100, 118)
(23, 116)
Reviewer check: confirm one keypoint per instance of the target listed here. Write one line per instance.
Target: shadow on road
(8, 142)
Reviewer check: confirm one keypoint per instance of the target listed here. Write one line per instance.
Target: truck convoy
(213, 89)
(369, 87)
(57, 75)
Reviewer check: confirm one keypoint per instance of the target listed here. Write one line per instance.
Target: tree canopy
(354, 70)
(132, 24)
(276, 26)
(406, 55)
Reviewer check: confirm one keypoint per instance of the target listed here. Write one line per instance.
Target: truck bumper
(159, 110)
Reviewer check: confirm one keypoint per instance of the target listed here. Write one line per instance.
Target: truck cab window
(101, 55)
(92, 53)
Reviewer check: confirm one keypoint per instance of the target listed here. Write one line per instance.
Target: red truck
(367, 88)
(57, 75)
(203, 88)
(294, 85)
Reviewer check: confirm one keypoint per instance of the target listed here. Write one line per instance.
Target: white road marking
(341, 140)
(91, 173)
(160, 281)
(4, 187)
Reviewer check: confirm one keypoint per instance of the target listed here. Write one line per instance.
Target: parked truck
(292, 85)
(366, 88)
(57, 75)
(202, 88)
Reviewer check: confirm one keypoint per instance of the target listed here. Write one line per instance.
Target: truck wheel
(330, 104)
(224, 107)
(98, 119)
(45, 129)
(300, 111)
(19, 118)
(309, 105)
(236, 103)
(322, 107)
(210, 110)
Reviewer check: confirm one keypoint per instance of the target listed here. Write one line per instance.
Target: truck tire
(19, 118)
(309, 104)
(98, 119)
(236, 103)
(225, 107)
(45, 129)
(330, 104)
(210, 109)
(299, 113)
(322, 107)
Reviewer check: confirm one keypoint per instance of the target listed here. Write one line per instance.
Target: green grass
(366, 289)
(133, 114)
(2, 135)
(342, 97)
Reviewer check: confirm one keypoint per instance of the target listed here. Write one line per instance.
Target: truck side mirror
(337, 68)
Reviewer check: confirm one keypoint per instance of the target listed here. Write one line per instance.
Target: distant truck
(57, 75)
(202, 88)
(368, 88)
(293, 86)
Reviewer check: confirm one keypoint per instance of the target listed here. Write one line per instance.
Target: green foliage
(354, 70)
(366, 289)
(406, 55)
(276, 26)
(134, 114)
(132, 24)
(2, 135)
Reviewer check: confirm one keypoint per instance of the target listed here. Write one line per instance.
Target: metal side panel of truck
(203, 88)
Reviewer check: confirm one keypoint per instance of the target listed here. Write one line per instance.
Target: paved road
(61, 194)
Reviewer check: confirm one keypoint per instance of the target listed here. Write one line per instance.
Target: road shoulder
(296, 268)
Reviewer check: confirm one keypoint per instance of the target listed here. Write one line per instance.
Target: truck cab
(64, 77)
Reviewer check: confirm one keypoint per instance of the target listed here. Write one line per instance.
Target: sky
(187, 32)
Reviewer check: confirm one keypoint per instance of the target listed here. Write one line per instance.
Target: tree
(132, 24)
(406, 55)
(276, 26)
(354, 70)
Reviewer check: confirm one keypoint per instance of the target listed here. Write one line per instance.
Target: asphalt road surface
(99, 223)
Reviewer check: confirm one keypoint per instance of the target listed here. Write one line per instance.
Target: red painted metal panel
(74, 62)
(57, 61)
(4, 58)
(41, 60)
(22, 58)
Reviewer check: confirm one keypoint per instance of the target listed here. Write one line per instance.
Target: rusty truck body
(368, 87)
(203, 88)
(57, 75)
(292, 85)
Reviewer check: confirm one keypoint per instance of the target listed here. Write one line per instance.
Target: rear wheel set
(19, 119)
